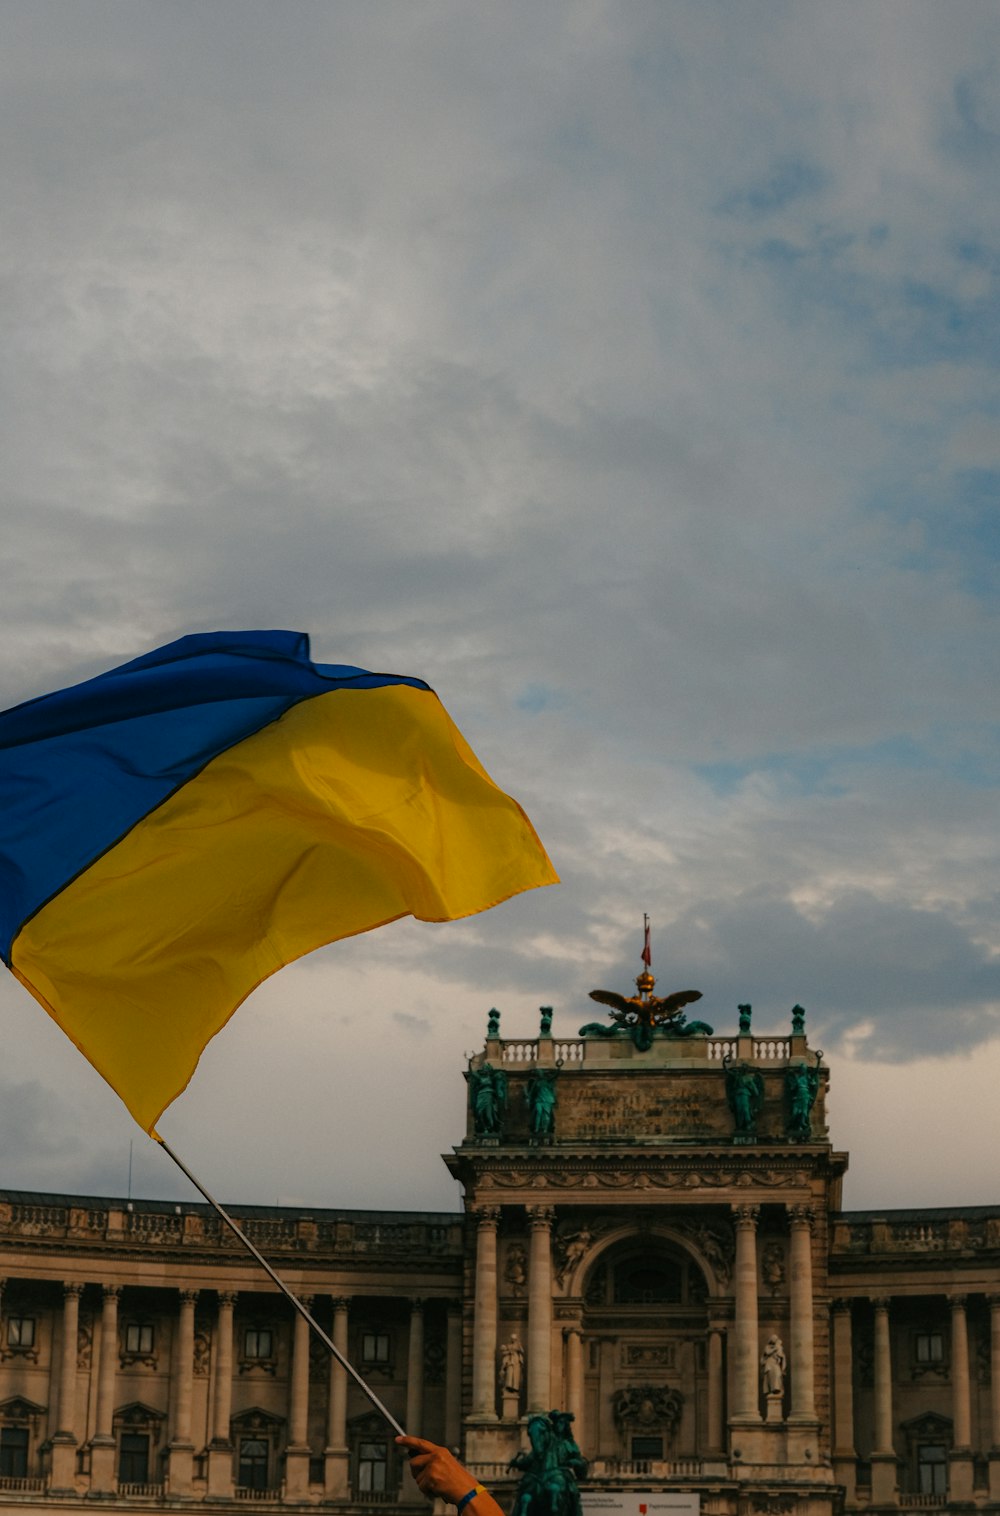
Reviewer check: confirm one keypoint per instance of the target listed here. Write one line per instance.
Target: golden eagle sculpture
(641, 1016)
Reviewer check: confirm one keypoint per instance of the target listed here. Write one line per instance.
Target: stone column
(415, 1371)
(715, 1431)
(180, 1449)
(414, 1391)
(64, 1439)
(803, 1405)
(960, 1458)
(540, 1218)
(745, 1406)
(335, 1480)
(102, 1444)
(220, 1448)
(994, 1304)
(845, 1466)
(884, 1487)
(574, 1378)
(484, 1342)
(453, 1377)
(297, 1451)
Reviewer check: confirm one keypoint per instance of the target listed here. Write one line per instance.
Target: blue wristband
(477, 1489)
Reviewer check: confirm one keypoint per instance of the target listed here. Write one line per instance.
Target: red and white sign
(640, 1502)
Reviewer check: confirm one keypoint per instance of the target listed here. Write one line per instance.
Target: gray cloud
(628, 377)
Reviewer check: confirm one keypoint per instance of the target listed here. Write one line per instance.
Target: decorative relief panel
(648, 1355)
(621, 1178)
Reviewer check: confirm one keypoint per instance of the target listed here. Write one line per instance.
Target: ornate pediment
(20, 1409)
(256, 1419)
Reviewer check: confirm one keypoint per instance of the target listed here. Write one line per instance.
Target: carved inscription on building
(654, 1110)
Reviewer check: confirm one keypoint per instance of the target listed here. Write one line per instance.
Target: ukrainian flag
(175, 830)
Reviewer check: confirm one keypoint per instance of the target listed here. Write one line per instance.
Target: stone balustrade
(173, 1226)
(964, 1231)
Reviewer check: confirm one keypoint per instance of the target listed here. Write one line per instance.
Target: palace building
(652, 1239)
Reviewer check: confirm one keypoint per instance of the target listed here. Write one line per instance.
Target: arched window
(649, 1280)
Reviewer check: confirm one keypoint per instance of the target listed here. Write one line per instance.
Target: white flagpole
(283, 1287)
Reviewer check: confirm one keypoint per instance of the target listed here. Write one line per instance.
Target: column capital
(745, 1217)
(993, 1301)
(417, 1304)
(487, 1215)
(188, 1297)
(453, 1308)
(841, 1306)
(882, 1303)
(541, 1217)
(573, 1329)
(228, 1297)
(957, 1302)
(340, 1302)
(111, 1291)
(71, 1288)
(801, 1216)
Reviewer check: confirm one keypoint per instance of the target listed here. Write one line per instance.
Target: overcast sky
(629, 372)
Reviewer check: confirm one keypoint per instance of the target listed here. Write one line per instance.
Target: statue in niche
(516, 1268)
(801, 1089)
(489, 1099)
(745, 1014)
(540, 1094)
(511, 1365)
(550, 1470)
(745, 1095)
(774, 1266)
(772, 1369)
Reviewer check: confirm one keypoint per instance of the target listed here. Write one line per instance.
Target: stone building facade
(652, 1238)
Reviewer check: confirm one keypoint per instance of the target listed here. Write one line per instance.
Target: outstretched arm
(439, 1474)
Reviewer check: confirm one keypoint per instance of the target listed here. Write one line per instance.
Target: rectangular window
(375, 1347)
(647, 1447)
(930, 1347)
(258, 1343)
(133, 1458)
(21, 1331)
(139, 1337)
(932, 1469)
(372, 1461)
(253, 1463)
(13, 1452)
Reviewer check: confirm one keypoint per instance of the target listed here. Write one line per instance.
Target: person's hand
(436, 1471)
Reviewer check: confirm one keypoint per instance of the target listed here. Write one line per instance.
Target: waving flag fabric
(175, 830)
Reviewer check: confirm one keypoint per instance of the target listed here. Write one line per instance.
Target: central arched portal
(645, 1329)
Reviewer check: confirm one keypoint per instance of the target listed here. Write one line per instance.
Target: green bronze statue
(645, 1015)
(801, 1089)
(745, 1095)
(488, 1088)
(550, 1470)
(540, 1095)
